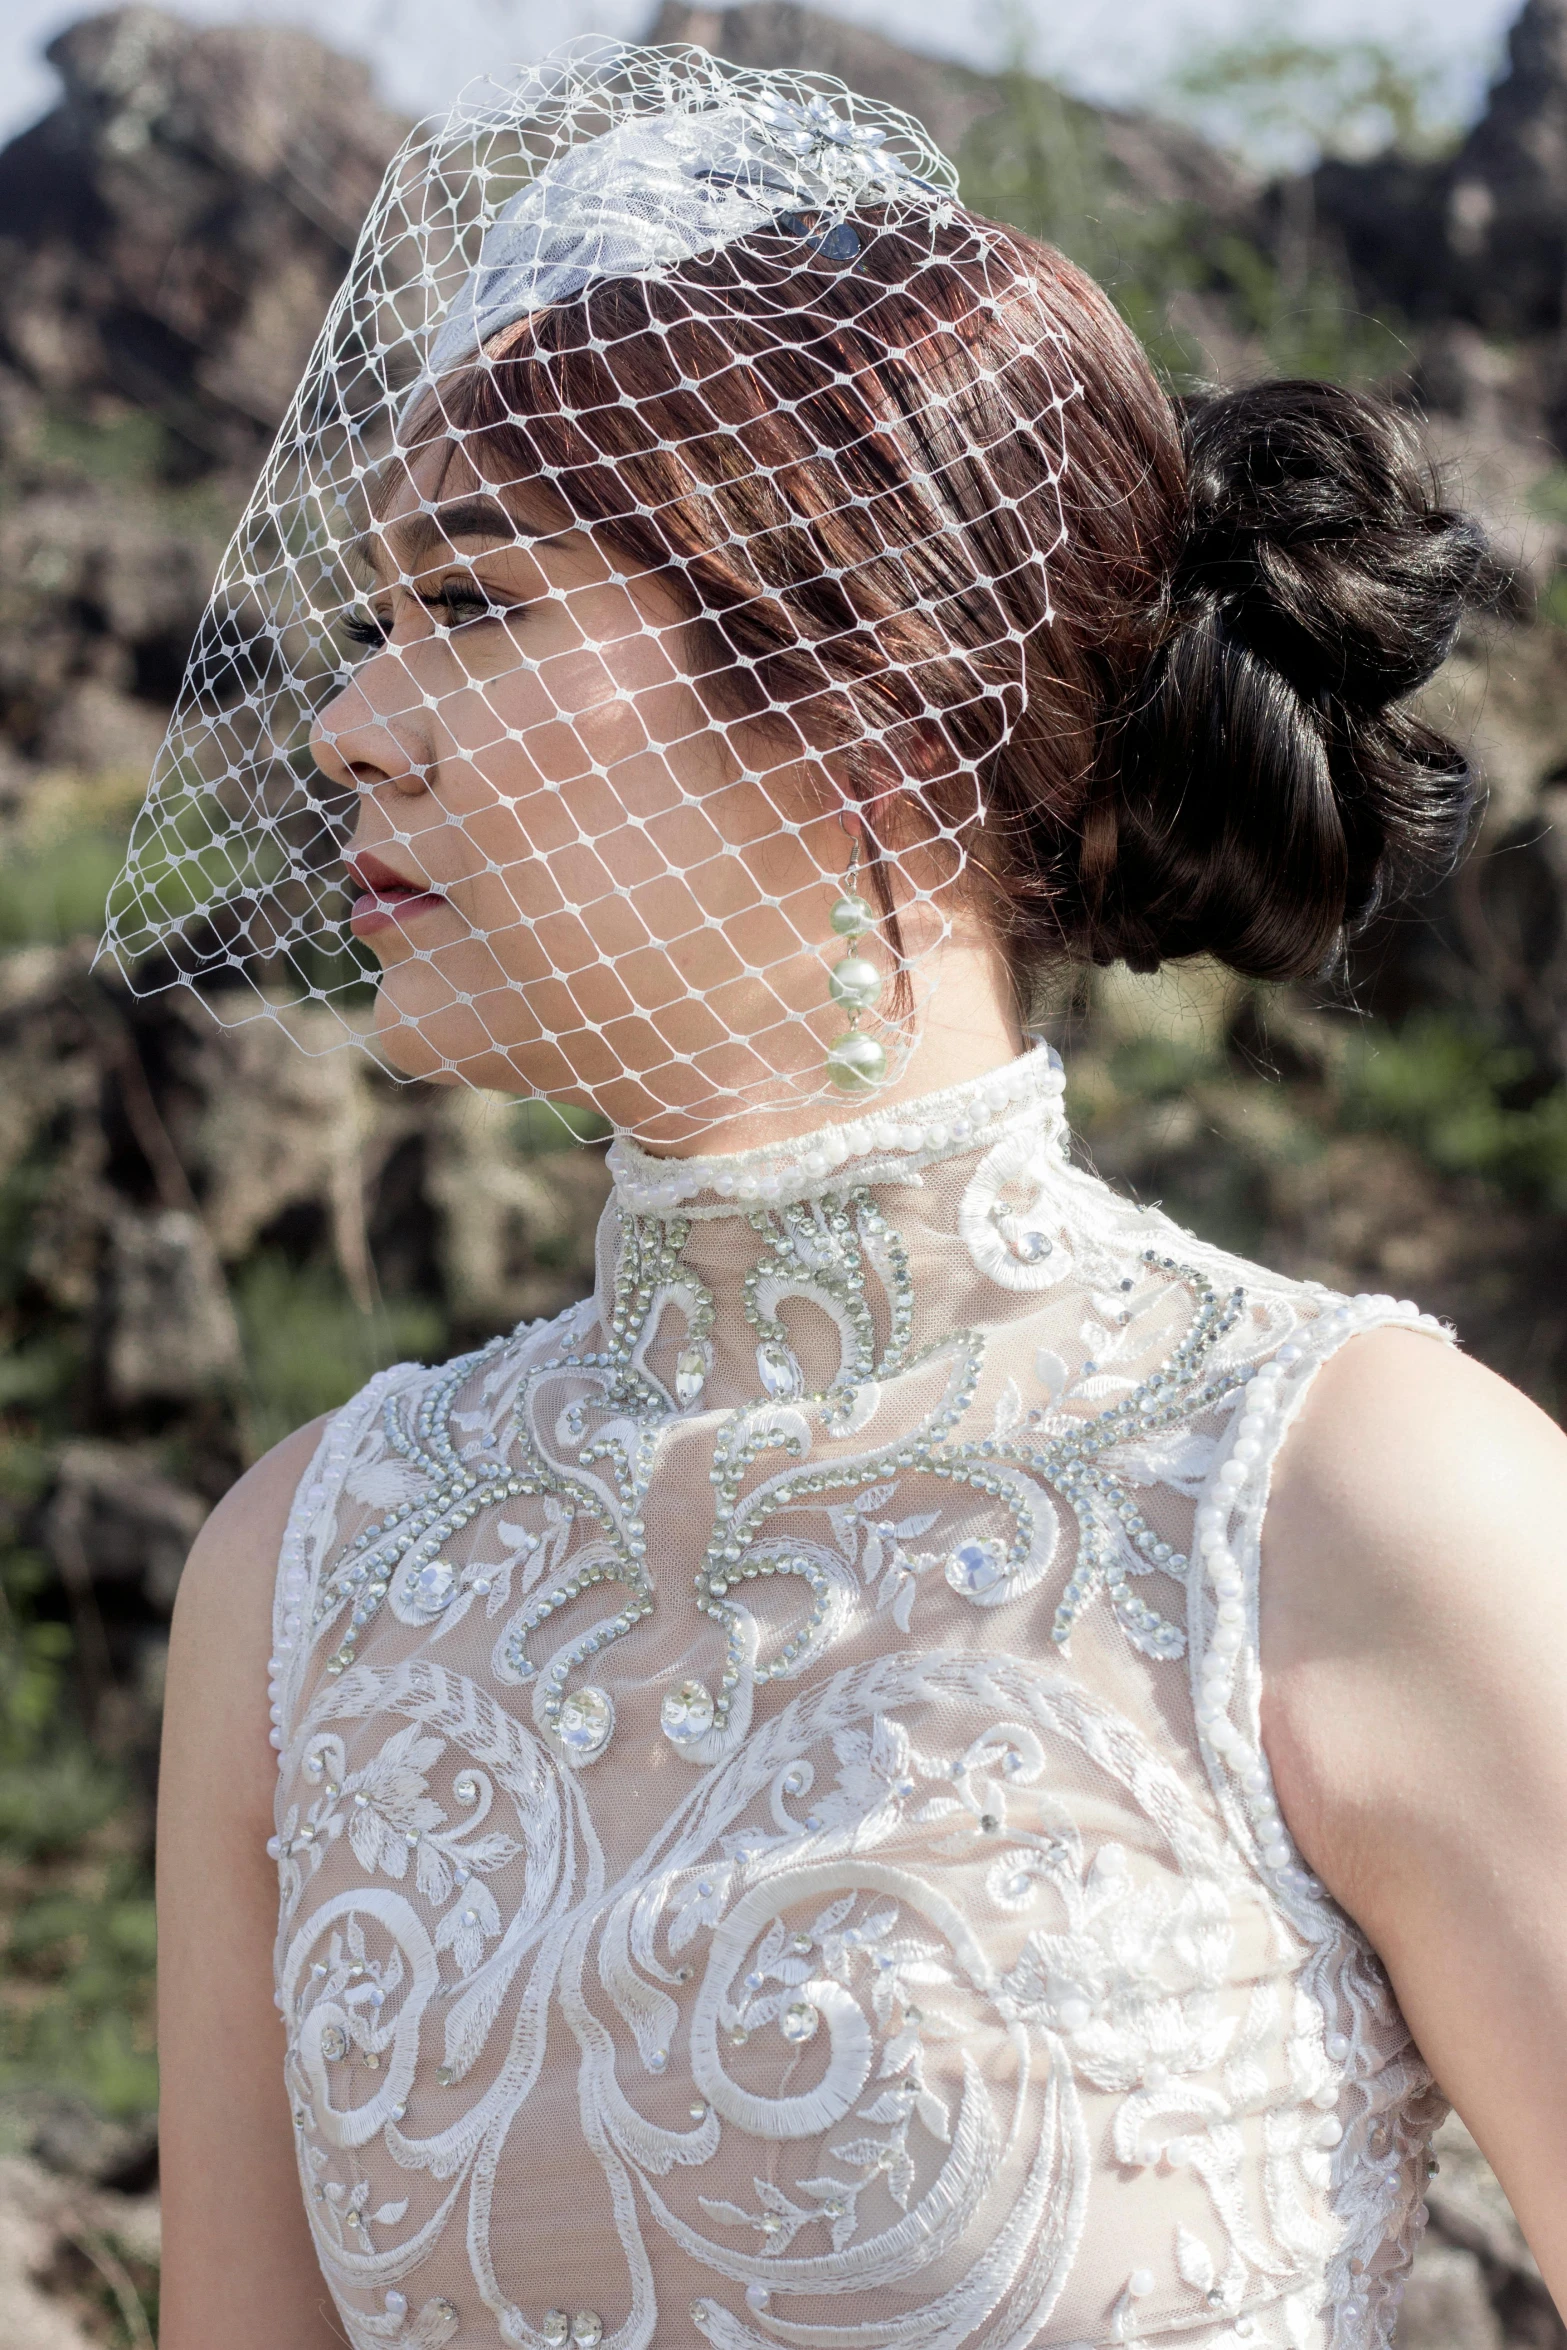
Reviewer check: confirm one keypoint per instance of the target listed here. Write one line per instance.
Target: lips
(388, 899)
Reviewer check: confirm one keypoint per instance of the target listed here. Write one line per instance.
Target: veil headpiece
(602, 166)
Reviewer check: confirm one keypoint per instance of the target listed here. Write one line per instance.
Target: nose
(374, 731)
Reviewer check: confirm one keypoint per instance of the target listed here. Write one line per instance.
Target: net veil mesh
(639, 589)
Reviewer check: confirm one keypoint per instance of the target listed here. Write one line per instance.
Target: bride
(940, 1762)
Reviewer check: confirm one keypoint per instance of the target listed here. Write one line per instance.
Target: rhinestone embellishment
(798, 1526)
(799, 2021)
(976, 1568)
(585, 1724)
(777, 1369)
(432, 1588)
(686, 1713)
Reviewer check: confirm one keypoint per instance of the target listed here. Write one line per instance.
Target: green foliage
(1273, 95)
(1547, 497)
(84, 1958)
(1156, 1068)
(76, 1968)
(50, 1805)
(53, 1790)
(40, 1372)
(1305, 318)
(118, 2283)
(1465, 1102)
(59, 890)
(546, 1126)
(1454, 1094)
(23, 1189)
(191, 857)
(309, 1347)
(33, 1660)
(1037, 160)
(134, 448)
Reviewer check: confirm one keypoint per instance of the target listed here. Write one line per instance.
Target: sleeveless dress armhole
(310, 1539)
(1391, 2103)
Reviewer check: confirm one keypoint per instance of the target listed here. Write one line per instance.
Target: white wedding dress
(774, 1843)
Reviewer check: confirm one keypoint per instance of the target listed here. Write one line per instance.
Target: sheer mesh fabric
(656, 318)
(773, 1839)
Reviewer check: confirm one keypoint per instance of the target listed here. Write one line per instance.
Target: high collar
(884, 1146)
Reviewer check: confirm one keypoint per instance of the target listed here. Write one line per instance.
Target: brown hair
(1172, 664)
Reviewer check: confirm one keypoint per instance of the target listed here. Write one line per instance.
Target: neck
(968, 1028)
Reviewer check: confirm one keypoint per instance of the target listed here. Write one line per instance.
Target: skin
(1415, 1584)
(633, 885)
(1414, 1650)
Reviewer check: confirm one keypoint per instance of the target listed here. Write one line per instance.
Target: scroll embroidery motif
(914, 2007)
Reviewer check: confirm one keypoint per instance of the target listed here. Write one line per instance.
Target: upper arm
(1414, 1630)
(239, 2266)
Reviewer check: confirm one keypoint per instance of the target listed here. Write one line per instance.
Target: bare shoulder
(1399, 1433)
(236, 1554)
(1414, 1588)
(222, 1632)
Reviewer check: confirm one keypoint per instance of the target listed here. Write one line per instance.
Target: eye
(460, 602)
(364, 628)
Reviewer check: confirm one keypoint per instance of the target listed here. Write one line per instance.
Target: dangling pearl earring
(854, 1062)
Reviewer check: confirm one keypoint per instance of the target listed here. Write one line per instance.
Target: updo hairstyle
(1187, 711)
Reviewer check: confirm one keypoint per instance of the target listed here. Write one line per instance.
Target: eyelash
(461, 607)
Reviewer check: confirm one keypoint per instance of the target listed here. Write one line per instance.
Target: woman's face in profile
(579, 880)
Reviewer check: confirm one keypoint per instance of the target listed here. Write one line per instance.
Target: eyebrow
(419, 533)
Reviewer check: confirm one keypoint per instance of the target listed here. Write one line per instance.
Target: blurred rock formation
(171, 234)
(161, 1154)
(1480, 235)
(170, 237)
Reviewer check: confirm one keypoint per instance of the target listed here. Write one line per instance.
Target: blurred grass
(308, 1347)
(1040, 159)
(1178, 1061)
(76, 1982)
(61, 854)
(1466, 1103)
(77, 1946)
(56, 893)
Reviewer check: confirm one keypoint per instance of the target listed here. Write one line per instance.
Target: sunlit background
(207, 1238)
(1122, 52)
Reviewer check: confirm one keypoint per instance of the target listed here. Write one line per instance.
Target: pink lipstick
(388, 899)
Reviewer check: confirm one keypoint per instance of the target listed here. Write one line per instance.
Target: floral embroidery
(879, 1965)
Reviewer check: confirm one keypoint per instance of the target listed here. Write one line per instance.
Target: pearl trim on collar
(885, 1145)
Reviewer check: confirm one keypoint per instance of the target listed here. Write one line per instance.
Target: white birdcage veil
(662, 316)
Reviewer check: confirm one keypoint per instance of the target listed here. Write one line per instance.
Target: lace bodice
(774, 1841)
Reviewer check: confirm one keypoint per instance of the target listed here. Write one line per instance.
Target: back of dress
(774, 1840)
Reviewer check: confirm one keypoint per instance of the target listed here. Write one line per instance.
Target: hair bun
(1312, 529)
(1261, 791)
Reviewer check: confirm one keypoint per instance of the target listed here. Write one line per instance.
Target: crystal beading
(928, 1463)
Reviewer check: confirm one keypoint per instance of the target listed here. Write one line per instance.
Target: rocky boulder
(174, 230)
(1480, 235)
